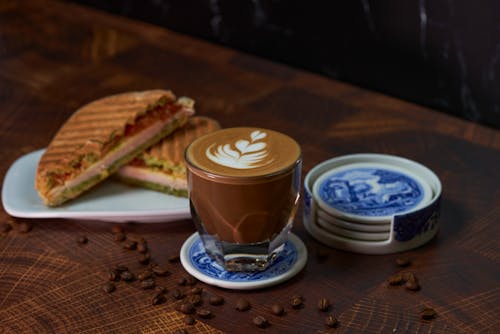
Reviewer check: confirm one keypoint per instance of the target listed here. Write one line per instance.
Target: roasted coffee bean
(187, 308)
(142, 247)
(130, 245)
(158, 298)
(190, 280)
(331, 321)
(116, 229)
(297, 301)
(204, 313)
(145, 275)
(260, 321)
(409, 276)
(127, 276)
(196, 291)
(82, 240)
(180, 331)
(148, 284)
(216, 300)
(119, 237)
(323, 304)
(174, 258)
(243, 305)
(177, 294)
(120, 268)
(277, 309)
(161, 289)
(181, 281)
(396, 279)
(412, 285)
(109, 287)
(427, 313)
(403, 262)
(4, 227)
(145, 258)
(159, 271)
(153, 264)
(189, 320)
(113, 275)
(195, 300)
(24, 227)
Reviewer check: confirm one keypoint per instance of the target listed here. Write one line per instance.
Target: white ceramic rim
(294, 270)
(362, 236)
(354, 226)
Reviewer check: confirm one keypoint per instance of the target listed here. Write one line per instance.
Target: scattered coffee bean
(153, 264)
(323, 304)
(148, 284)
(216, 300)
(177, 294)
(142, 247)
(127, 276)
(130, 245)
(116, 229)
(145, 258)
(260, 321)
(190, 280)
(331, 321)
(120, 268)
(297, 301)
(204, 313)
(396, 279)
(181, 281)
(145, 275)
(189, 320)
(427, 313)
(196, 291)
(243, 305)
(408, 276)
(277, 309)
(174, 258)
(195, 300)
(412, 286)
(24, 227)
(113, 275)
(159, 271)
(4, 227)
(161, 289)
(109, 287)
(180, 331)
(119, 237)
(403, 262)
(82, 240)
(158, 298)
(187, 308)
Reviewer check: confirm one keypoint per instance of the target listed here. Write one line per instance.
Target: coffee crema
(243, 151)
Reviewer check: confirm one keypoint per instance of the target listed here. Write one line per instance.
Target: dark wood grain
(56, 56)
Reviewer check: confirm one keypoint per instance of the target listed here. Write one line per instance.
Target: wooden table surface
(56, 56)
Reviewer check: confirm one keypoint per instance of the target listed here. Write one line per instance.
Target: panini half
(162, 167)
(102, 136)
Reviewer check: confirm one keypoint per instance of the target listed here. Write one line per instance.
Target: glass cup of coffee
(244, 191)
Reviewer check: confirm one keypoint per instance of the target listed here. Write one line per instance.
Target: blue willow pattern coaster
(372, 192)
(209, 267)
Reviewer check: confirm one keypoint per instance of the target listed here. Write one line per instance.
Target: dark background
(444, 54)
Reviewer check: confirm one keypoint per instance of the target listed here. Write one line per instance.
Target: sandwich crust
(96, 131)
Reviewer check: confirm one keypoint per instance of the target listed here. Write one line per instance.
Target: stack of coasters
(372, 203)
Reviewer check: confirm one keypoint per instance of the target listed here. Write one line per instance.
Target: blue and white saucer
(196, 262)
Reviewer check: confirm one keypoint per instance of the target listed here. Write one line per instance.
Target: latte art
(243, 154)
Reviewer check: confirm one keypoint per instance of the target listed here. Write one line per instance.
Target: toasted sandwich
(102, 136)
(162, 167)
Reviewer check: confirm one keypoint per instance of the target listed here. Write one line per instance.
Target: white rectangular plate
(109, 201)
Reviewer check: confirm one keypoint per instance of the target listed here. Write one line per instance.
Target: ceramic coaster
(196, 262)
(370, 192)
(364, 236)
(355, 226)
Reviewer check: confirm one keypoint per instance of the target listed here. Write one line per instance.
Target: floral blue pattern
(408, 226)
(209, 267)
(371, 192)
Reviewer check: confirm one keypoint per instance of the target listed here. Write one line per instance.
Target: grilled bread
(162, 167)
(102, 136)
